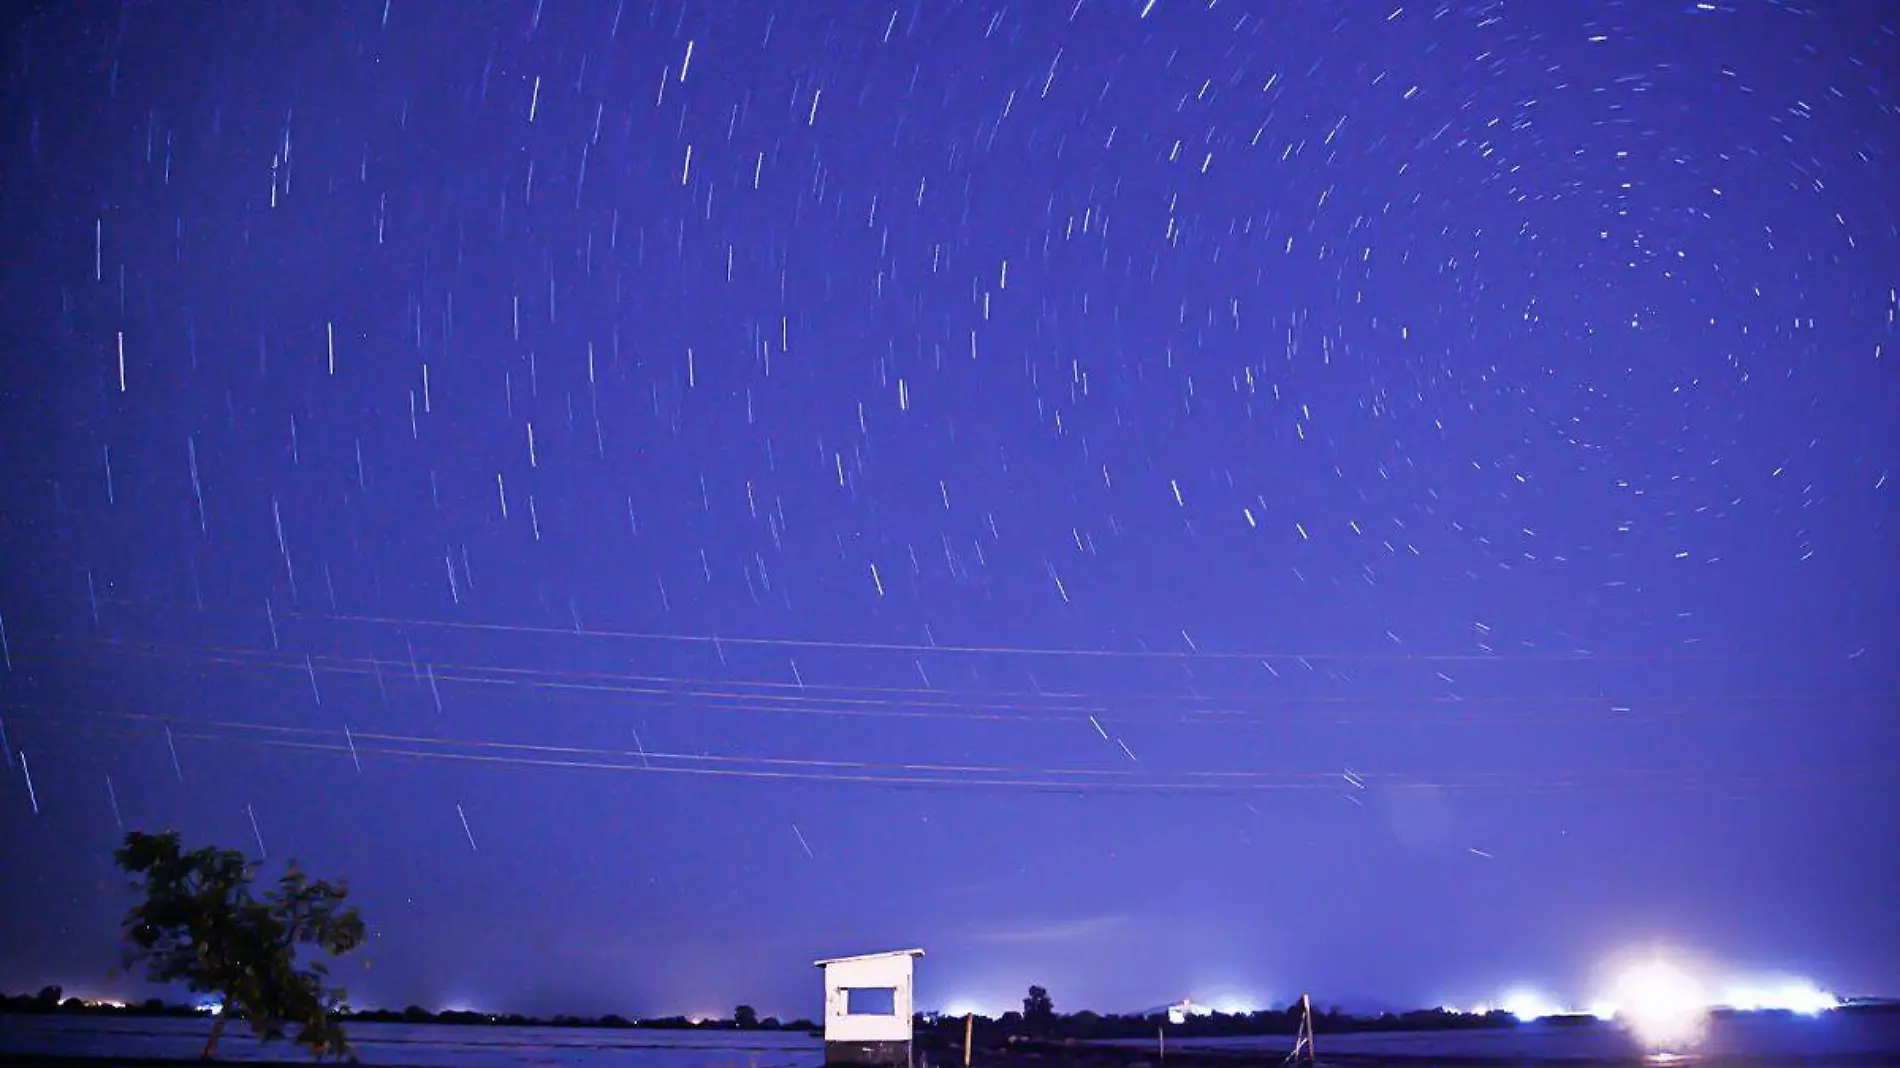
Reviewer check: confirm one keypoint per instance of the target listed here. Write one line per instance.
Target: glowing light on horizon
(1666, 1001)
(1527, 1005)
(1788, 995)
(966, 1006)
(1228, 997)
(1661, 1003)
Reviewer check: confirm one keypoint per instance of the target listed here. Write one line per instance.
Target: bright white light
(969, 1007)
(1229, 999)
(1179, 1014)
(1788, 995)
(1528, 1005)
(1662, 1004)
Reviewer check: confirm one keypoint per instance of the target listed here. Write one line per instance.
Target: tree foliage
(1038, 1010)
(745, 1018)
(200, 925)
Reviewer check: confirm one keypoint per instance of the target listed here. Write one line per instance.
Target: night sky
(1148, 497)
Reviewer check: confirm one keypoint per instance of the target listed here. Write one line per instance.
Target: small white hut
(868, 1008)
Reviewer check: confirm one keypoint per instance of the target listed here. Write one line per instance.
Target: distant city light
(1661, 1003)
(1187, 1007)
(1528, 1005)
(1788, 995)
(967, 1006)
(1666, 1004)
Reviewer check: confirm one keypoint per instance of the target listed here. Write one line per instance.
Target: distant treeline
(52, 1000)
(931, 1028)
(1051, 1026)
(1087, 1026)
(416, 1014)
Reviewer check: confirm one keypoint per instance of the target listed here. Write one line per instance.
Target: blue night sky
(1147, 497)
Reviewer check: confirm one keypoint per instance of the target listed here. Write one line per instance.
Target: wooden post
(1305, 1041)
(1312, 1053)
(969, 1029)
(1161, 1042)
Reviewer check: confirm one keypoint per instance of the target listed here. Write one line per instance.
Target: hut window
(870, 1001)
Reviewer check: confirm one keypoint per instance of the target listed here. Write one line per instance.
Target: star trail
(1127, 494)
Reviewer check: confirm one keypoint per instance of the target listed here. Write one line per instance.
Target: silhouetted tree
(49, 998)
(200, 925)
(745, 1017)
(1038, 1011)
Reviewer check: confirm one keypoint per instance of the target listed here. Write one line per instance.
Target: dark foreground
(1097, 1058)
(1835, 1039)
(1074, 1056)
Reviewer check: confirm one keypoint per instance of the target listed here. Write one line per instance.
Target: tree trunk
(211, 1045)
